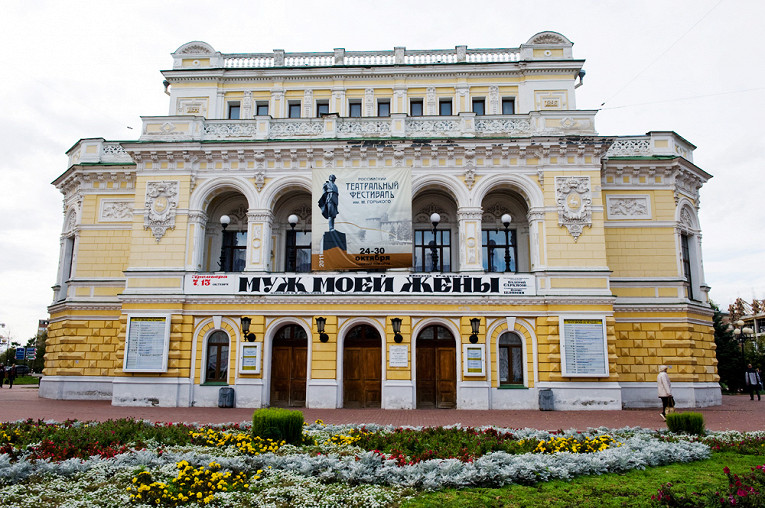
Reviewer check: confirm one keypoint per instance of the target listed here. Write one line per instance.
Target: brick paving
(736, 413)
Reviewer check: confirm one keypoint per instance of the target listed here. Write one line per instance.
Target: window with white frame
(510, 358)
(233, 110)
(216, 370)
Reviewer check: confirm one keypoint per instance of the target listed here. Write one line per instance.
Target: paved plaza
(737, 412)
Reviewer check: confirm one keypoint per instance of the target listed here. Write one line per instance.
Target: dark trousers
(665, 403)
(10, 382)
(752, 389)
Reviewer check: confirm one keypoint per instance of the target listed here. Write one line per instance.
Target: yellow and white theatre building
(396, 229)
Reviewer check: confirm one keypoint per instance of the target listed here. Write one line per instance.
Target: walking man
(11, 375)
(752, 381)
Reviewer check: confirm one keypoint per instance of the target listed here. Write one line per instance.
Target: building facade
(397, 229)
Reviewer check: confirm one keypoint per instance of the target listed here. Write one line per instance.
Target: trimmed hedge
(687, 423)
(278, 424)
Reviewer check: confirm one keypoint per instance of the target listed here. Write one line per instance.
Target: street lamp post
(506, 219)
(293, 220)
(434, 219)
(225, 220)
(742, 333)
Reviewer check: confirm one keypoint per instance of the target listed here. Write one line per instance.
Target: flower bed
(361, 466)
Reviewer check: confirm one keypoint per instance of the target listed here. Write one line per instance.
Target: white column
(538, 258)
(470, 245)
(259, 240)
(195, 237)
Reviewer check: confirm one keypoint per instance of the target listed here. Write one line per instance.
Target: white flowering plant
(350, 465)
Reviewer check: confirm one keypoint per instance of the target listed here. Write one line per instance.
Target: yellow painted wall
(643, 345)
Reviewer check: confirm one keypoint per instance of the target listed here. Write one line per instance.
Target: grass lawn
(630, 489)
(23, 380)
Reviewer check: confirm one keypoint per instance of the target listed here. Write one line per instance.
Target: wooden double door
(289, 363)
(362, 368)
(436, 369)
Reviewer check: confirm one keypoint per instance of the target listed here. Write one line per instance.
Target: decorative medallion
(574, 200)
(161, 205)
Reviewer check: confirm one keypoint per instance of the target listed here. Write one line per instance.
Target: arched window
(510, 360)
(217, 358)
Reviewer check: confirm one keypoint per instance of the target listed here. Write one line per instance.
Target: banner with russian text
(378, 284)
(362, 219)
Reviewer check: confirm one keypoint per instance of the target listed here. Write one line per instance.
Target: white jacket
(665, 387)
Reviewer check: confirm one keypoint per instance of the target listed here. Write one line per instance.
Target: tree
(729, 358)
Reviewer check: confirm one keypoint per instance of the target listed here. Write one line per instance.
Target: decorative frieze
(628, 207)
(160, 207)
(116, 210)
(574, 199)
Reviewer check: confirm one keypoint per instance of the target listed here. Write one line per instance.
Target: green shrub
(687, 423)
(278, 424)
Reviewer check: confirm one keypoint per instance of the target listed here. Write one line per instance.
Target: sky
(77, 69)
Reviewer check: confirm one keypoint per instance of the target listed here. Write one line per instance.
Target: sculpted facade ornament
(574, 198)
(160, 207)
(493, 100)
(369, 102)
(431, 101)
(113, 210)
(547, 38)
(628, 207)
(247, 104)
(260, 180)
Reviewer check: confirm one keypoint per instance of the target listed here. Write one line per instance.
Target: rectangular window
(233, 111)
(445, 107)
(499, 250)
(261, 109)
(415, 107)
(686, 252)
(479, 107)
(423, 250)
(508, 106)
(234, 251)
(383, 108)
(354, 109)
(322, 108)
(298, 251)
(294, 109)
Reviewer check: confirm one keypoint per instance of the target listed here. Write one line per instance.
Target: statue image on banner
(374, 229)
(328, 203)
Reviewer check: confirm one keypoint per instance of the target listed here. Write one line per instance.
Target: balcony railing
(398, 56)
(545, 123)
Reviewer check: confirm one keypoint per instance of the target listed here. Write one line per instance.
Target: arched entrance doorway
(289, 361)
(436, 368)
(362, 368)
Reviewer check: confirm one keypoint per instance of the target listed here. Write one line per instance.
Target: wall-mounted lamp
(320, 322)
(246, 321)
(396, 323)
(475, 324)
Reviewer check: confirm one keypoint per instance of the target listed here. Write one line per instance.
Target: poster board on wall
(362, 219)
(474, 360)
(249, 362)
(147, 343)
(583, 346)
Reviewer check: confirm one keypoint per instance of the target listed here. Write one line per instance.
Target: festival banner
(362, 219)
